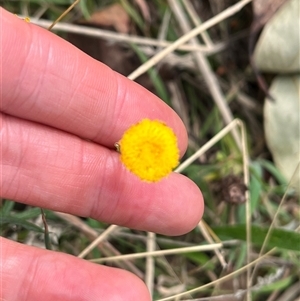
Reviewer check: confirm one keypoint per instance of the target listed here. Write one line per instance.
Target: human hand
(61, 113)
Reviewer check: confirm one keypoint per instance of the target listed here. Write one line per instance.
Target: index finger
(47, 80)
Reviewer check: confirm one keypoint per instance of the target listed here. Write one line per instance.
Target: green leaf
(84, 6)
(200, 259)
(7, 207)
(95, 224)
(239, 257)
(273, 170)
(20, 222)
(28, 213)
(279, 238)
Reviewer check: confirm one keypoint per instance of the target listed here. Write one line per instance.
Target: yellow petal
(149, 150)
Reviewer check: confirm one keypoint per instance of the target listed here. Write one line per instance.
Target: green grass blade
(279, 238)
(28, 214)
(4, 220)
(7, 207)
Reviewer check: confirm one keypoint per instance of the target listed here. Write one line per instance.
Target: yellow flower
(149, 150)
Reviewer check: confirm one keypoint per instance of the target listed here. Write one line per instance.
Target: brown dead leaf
(112, 16)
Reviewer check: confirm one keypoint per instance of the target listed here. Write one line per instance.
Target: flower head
(149, 150)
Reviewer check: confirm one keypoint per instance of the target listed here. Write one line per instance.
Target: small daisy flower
(149, 150)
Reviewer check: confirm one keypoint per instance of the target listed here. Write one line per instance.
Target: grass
(249, 249)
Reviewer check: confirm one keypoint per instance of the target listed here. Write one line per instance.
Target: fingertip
(139, 290)
(172, 206)
(187, 208)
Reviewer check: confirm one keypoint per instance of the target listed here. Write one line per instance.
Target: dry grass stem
(208, 145)
(210, 247)
(275, 217)
(120, 37)
(185, 38)
(105, 247)
(203, 229)
(144, 238)
(64, 14)
(218, 281)
(205, 68)
(202, 150)
(96, 242)
(196, 21)
(248, 205)
(150, 267)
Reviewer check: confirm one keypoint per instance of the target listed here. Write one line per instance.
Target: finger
(29, 273)
(47, 80)
(52, 169)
